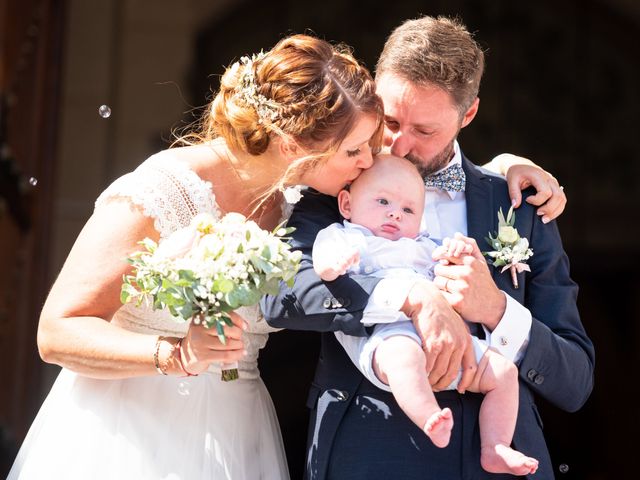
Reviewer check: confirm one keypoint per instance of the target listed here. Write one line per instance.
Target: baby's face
(388, 200)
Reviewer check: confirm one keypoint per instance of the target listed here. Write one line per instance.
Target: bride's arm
(522, 173)
(75, 329)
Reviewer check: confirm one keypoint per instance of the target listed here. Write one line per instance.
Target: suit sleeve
(312, 304)
(559, 361)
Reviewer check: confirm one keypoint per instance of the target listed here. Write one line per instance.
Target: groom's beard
(437, 162)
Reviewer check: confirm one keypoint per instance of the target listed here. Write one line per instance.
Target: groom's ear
(471, 112)
(344, 203)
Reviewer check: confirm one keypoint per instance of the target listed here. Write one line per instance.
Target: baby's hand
(331, 268)
(452, 248)
(346, 260)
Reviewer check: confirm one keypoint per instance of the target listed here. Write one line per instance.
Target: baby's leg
(498, 414)
(400, 362)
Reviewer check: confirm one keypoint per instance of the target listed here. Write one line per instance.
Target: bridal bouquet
(210, 268)
(511, 250)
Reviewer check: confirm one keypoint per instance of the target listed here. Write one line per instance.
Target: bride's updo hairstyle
(304, 89)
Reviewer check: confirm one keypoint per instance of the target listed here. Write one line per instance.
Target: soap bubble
(104, 111)
(183, 388)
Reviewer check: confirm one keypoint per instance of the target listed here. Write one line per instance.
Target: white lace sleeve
(166, 190)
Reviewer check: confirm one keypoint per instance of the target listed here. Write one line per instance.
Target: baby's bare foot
(439, 426)
(503, 459)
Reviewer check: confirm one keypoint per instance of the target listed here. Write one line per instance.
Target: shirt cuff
(511, 336)
(386, 300)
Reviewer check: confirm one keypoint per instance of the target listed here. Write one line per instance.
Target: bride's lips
(389, 228)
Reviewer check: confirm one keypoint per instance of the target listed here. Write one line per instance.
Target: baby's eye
(407, 210)
(383, 201)
(353, 153)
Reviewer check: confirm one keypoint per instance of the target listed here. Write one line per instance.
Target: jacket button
(347, 302)
(531, 374)
(341, 395)
(539, 379)
(336, 302)
(326, 303)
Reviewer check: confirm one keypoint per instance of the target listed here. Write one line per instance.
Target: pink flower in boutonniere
(510, 249)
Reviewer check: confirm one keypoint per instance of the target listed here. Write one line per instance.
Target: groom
(428, 77)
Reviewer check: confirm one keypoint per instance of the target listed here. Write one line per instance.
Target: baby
(381, 236)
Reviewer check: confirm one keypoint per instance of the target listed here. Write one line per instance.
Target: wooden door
(30, 64)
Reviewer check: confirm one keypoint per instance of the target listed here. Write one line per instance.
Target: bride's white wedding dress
(159, 427)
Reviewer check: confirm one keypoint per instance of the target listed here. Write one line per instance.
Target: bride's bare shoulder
(201, 159)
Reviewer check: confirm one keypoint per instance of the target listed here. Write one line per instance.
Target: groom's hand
(445, 337)
(466, 283)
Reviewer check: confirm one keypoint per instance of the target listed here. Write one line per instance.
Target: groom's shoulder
(482, 172)
(496, 180)
(313, 201)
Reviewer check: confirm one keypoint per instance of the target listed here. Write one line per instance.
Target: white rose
(507, 234)
(179, 243)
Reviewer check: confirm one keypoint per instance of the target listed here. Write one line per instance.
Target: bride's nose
(365, 160)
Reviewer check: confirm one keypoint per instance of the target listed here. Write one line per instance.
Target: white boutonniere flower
(510, 250)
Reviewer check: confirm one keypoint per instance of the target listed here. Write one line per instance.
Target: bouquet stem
(229, 372)
(514, 276)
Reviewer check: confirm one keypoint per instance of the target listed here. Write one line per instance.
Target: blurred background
(561, 87)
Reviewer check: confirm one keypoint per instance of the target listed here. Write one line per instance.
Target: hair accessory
(247, 89)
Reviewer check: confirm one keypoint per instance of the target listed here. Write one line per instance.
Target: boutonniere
(510, 249)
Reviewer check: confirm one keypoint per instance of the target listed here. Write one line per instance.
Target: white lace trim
(167, 190)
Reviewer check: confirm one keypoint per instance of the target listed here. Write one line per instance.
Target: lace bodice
(172, 194)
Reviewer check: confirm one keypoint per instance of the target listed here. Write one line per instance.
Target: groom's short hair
(435, 51)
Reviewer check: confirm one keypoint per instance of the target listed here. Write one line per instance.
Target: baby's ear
(344, 203)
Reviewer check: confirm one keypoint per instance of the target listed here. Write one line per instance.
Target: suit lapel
(482, 216)
(481, 219)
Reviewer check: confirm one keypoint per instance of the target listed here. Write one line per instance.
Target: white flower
(510, 250)
(292, 195)
(178, 243)
(507, 234)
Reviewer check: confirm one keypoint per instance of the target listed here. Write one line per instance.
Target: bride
(140, 395)
(304, 113)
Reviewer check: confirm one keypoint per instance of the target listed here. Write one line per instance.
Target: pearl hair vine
(247, 89)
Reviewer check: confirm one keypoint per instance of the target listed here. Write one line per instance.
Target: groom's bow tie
(451, 179)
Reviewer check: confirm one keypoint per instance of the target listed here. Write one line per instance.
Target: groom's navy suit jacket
(358, 431)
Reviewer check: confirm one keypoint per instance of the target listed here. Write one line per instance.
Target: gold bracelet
(156, 360)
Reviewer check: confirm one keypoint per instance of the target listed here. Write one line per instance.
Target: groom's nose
(401, 145)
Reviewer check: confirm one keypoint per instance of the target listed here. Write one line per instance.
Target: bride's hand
(201, 346)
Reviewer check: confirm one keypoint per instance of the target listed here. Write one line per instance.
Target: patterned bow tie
(451, 179)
